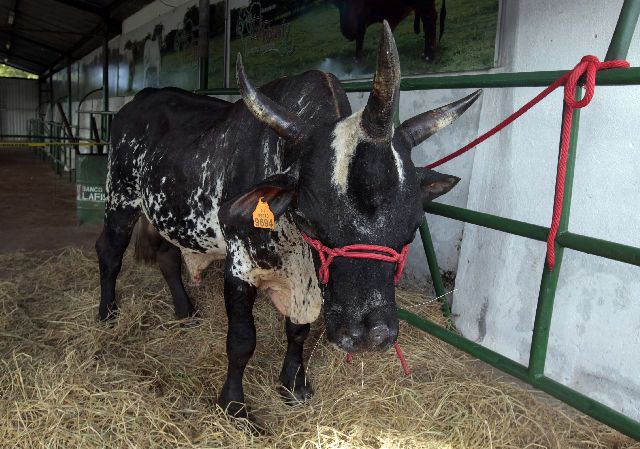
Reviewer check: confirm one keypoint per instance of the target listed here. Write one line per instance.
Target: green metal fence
(534, 372)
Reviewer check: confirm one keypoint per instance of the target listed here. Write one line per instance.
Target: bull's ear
(434, 184)
(277, 191)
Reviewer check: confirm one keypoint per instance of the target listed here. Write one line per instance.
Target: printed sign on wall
(281, 37)
(164, 51)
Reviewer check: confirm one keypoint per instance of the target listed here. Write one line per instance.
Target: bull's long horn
(284, 122)
(417, 129)
(377, 117)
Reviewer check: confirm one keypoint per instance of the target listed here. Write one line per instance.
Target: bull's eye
(303, 224)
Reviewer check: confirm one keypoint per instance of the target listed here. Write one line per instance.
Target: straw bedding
(148, 381)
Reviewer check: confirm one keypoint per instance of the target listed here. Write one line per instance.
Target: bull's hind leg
(295, 386)
(239, 297)
(110, 246)
(170, 263)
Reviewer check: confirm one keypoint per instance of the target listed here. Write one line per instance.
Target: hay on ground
(68, 381)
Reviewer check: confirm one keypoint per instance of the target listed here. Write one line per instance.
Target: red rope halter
(357, 251)
(362, 251)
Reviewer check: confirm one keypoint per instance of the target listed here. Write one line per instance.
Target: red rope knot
(588, 66)
(357, 251)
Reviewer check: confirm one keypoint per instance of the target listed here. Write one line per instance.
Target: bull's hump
(315, 96)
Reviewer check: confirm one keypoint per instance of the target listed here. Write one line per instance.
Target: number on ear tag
(262, 216)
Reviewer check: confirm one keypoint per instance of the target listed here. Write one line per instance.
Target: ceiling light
(8, 45)
(12, 16)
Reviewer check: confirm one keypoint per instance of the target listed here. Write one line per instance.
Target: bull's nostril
(379, 334)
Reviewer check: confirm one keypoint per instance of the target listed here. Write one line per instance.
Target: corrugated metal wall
(18, 104)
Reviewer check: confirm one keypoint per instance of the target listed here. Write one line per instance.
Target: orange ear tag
(262, 216)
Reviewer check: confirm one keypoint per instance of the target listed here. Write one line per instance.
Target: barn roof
(39, 35)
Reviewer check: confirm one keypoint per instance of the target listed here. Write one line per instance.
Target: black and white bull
(196, 167)
(357, 15)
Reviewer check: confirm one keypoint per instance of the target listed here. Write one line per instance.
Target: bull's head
(354, 182)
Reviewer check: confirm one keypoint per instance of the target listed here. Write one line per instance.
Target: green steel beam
(496, 222)
(626, 25)
(486, 355)
(595, 409)
(434, 269)
(598, 247)
(615, 77)
(590, 245)
(518, 79)
(549, 280)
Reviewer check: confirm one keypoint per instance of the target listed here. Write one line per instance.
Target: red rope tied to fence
(587, 67)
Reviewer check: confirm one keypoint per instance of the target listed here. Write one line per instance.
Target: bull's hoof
(236, 410)
(297, 395)
(107, 315)
(242, 418)
(190, 322)
(187, 313)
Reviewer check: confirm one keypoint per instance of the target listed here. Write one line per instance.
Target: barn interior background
(594, 340)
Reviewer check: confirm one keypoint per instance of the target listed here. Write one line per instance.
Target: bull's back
(155, 113)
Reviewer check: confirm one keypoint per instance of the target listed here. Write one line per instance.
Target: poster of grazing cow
(163, 52)
(280, 37)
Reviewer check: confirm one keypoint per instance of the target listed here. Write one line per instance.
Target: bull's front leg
(295, 386)
(239, 297)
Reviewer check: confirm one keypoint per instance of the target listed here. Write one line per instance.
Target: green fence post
(549, 281)
(618, 49)
(434, 269)
(626, 25)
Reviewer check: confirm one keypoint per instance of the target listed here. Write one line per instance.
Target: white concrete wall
(594, 343)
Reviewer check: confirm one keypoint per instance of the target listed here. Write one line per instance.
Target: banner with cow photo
(281, 37)
(163, 51)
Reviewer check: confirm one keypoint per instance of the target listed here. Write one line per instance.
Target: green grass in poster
(317, 43)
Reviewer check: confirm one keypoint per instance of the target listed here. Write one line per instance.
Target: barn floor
(67, 381)
(38, 207)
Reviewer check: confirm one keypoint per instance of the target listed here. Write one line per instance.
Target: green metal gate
(534, 372)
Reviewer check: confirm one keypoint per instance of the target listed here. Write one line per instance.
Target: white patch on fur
(122, 195)
(346, 136)
(213, 245)
(399, 165)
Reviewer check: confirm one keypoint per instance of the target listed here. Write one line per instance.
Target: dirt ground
(38, 207)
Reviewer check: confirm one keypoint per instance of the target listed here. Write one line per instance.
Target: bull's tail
(147, 240)
(443, 14)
